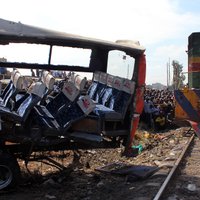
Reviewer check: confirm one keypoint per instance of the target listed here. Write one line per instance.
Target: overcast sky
(161, 26)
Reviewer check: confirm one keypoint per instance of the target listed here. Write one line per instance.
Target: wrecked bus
(66, 103)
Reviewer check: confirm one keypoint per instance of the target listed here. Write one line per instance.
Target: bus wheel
(9, 171)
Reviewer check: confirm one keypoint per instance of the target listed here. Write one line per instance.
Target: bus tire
(9, 171)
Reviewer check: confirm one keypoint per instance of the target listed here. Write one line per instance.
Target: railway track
(178, 179)
(172, 172)
(174, 163)
(186, 182)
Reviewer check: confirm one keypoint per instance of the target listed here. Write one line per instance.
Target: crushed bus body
(59, 107)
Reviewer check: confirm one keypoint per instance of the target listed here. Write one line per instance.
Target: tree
(178, 76)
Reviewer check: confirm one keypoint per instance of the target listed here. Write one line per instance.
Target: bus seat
(93, 87)
(30, 99)
(64, 119)
(49, 82)
(118, 102)
(123, 101)
(100, 86)
(44, 75)
(9, 86)
(114, 86)
(104, 96)
(80, 82)
(16, 86)
(64, 98)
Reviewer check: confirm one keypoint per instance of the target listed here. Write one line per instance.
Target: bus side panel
(139, 102)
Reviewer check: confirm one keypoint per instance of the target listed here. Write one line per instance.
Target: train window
(120, 64)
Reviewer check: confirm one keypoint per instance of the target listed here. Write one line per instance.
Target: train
(187, 99)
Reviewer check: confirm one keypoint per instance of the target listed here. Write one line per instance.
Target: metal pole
(50, 53)
(169, 71)
(167, 76)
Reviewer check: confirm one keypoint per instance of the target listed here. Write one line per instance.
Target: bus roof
(12, 32)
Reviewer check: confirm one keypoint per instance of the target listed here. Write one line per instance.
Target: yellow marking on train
(194, 60)
(192, 98)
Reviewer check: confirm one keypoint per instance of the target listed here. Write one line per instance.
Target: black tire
(9, 171)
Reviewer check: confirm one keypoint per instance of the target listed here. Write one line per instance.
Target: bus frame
(13, 147)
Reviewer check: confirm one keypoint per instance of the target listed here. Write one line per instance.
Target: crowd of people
(158, 109)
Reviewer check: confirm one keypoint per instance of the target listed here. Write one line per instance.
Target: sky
(161, 26)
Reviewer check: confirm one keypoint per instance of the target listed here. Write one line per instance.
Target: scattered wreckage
(58, 114)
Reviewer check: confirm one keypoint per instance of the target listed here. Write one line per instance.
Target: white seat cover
(49, 81)
(103, 78)
(80, 82)
(117, 83)
(128, 86)
(38, 89)
(70, 91)
(18, 81)
(86, 104)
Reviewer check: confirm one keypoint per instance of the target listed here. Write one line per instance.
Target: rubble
(81, 180)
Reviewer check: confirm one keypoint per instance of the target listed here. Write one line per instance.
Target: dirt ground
(81, 180)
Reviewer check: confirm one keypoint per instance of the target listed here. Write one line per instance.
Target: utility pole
(169, 71)
(167, 75)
